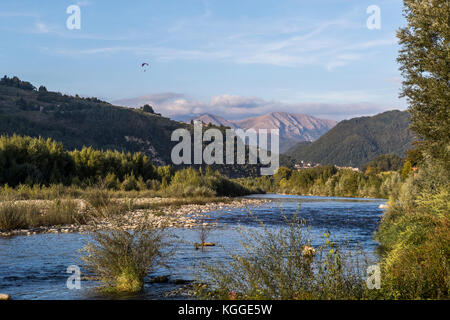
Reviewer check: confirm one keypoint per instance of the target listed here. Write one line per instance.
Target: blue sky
(231, 58)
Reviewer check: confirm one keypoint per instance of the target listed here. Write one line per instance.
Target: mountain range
(78, 122)
(293, 127)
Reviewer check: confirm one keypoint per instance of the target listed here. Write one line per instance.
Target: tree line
(328, 181)
(38, 161)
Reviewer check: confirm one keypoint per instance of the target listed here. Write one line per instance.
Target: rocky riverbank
(169, 214)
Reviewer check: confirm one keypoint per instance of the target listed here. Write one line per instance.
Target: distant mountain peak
(293, 127)
(216, 120)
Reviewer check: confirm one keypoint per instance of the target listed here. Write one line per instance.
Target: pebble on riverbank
(184, 216)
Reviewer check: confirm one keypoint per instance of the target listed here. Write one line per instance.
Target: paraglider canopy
(145, 66)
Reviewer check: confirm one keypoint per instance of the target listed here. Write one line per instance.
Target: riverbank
(160, 212)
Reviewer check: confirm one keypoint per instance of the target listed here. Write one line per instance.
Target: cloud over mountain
(181, 106)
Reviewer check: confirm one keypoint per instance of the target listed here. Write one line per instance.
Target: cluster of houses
(307, 165)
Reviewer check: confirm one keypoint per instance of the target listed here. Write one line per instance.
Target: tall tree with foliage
(415, 230)
(425, 65)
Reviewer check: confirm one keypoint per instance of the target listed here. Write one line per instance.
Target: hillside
(90, 122)
(78, 122)
(293, 127)
(359, 140)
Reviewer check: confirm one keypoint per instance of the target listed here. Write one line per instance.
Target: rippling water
(34, 267)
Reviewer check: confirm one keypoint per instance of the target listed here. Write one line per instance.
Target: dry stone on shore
(183, 216)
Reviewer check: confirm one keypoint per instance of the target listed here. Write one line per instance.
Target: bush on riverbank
(120, 259)
(193, 183)
(415, 236)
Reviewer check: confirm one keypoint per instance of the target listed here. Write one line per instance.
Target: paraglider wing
(145, 66)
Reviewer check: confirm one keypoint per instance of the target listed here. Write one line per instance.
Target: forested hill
(356, 141)
(78, 122)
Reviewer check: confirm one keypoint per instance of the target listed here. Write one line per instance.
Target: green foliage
(33, 161)
(91, 164)
(324, 181)
(39, 168)
(356, 141)
(111, 181)
(415, 156)
(191, 182)
(424, 60)
(129, 183)
(384, 162)
(414, 234)
(407, 169)
(26, 160)
(415, 231)
(16, 83)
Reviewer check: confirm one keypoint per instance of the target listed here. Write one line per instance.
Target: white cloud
(41, 28)
(292, 43)
(239, 107)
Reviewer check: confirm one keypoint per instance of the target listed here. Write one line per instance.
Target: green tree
(148, 108)
(407, 169)
(425, 65)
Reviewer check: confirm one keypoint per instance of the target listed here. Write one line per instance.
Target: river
(34, 267)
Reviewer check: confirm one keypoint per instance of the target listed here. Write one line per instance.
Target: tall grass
(52, 192)
(15, 216)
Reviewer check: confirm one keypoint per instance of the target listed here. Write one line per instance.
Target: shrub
(121, 259)
(153, 184)
(130, 183)
(111, 181)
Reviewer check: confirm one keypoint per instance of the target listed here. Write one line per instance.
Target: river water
(34, 267)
